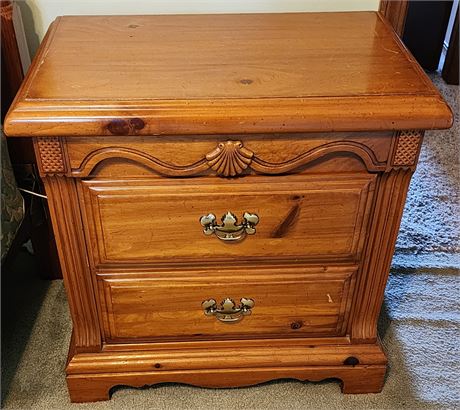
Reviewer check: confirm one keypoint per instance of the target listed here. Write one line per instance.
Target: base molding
(360, 368)
(354, 380)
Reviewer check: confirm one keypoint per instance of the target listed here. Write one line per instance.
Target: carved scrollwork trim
(51, 155)
(229, 159)
(407, 148)
(360, 150)
(155, 164)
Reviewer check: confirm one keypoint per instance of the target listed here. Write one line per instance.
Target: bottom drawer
(290, 302)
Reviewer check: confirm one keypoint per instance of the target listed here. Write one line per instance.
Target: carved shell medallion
(229, 158)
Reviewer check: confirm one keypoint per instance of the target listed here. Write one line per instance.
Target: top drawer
(299, 217)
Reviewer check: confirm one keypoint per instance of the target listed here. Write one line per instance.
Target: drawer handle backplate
(230, 230)
(228, 312)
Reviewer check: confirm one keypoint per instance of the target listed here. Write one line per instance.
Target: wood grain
(90, 377)
(68, 231)
(354, 380)
(161, 345)
(391, 196)
(249, 73)
(213, 356)
(146, 221)
(292, 303)
(314, 122)
(180, 156)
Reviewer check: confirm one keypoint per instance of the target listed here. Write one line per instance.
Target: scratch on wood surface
(391, 51)
(287, 223)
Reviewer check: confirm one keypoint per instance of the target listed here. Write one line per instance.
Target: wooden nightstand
(226, 191)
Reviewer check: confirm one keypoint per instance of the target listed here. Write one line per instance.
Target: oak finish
(163, 306)
(191, 115)
(180, 156)
(68, 231)
(145, 221)
(254, 73)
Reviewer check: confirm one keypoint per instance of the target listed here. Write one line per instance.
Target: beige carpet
(419, 322)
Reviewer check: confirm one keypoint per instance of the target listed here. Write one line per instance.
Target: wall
(38, 14)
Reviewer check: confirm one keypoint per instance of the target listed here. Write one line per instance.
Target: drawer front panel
(285, 304)
(299, 217)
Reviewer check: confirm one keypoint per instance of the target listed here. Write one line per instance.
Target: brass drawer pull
(230, 230)
(228, 312)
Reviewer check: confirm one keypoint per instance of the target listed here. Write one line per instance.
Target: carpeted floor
(430, 229)
(419, 323)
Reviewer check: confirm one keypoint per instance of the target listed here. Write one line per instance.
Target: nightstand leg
(88, 390)
(362, 380)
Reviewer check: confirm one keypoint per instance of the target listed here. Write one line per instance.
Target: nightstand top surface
(186, 74)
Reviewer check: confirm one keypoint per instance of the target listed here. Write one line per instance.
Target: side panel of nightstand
(389, 206)
(65, 214)
(68, 230)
